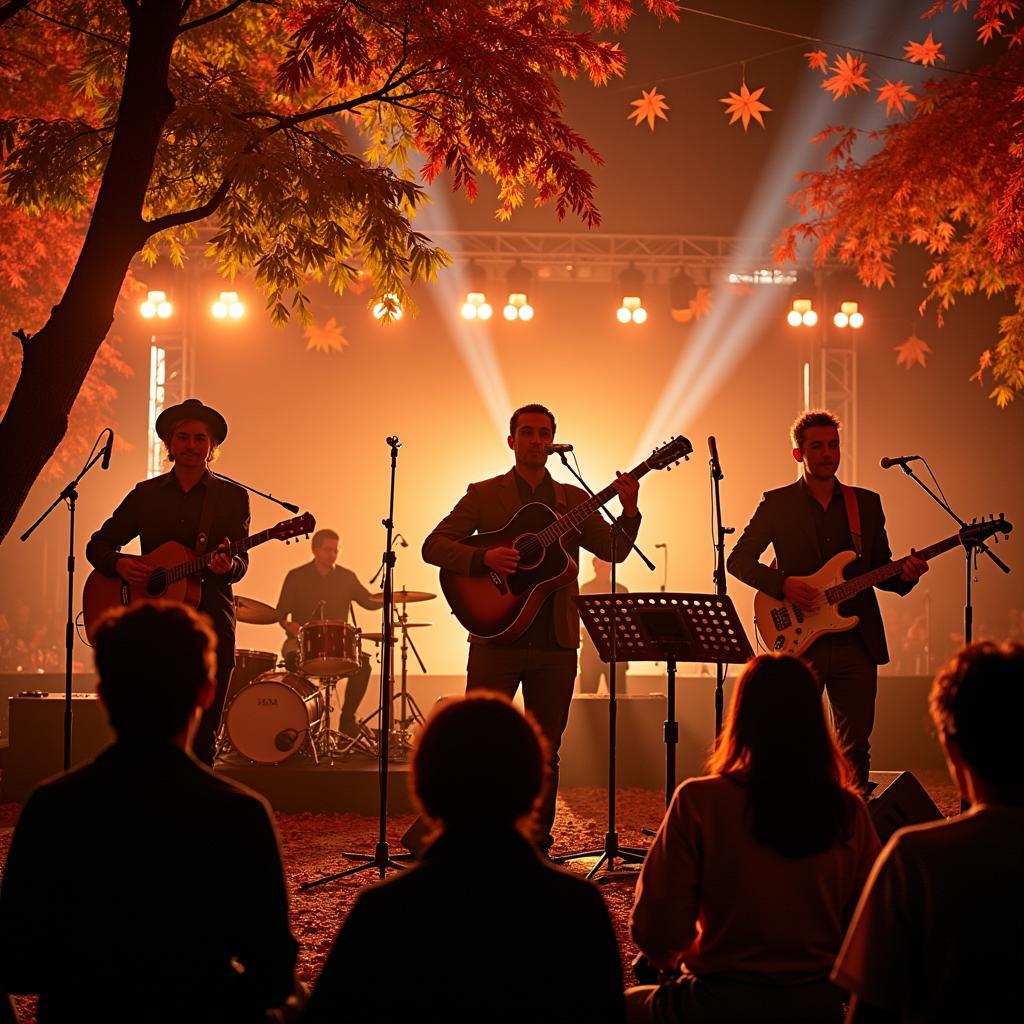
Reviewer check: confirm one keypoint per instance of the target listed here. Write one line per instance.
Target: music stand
(672, 628)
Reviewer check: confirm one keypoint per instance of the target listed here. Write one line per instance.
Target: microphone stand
(612, 851)
(381, 859)
(238, 483)
(69, 495)
(718, 577)
(971, 547)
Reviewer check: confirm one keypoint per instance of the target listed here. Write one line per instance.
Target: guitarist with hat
(807, 523)
(543, 658)
(194, 508)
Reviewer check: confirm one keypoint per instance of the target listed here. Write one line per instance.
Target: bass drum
(274, 716)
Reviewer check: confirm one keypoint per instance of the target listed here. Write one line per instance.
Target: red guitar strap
(852, 516)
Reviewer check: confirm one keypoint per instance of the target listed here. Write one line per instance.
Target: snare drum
(329, 647)
(272, 717)
(248, 665)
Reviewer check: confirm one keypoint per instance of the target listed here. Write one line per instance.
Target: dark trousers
(205, 743)
(547, 677)
(850, 678)
(355, 690)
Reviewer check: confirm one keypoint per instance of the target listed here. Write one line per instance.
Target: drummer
(322, 590)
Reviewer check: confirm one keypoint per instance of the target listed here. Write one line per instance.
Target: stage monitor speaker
(897, 800)
(37, 738)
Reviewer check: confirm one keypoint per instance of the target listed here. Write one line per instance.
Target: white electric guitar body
(786, 629)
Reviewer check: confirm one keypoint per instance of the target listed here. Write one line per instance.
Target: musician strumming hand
(173, 507)
(543, 658)
(320, 589)
(807, 523)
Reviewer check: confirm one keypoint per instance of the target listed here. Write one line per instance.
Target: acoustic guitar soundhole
(531, 551)
(157, 583)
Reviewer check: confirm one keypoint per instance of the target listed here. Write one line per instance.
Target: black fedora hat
(191, 409)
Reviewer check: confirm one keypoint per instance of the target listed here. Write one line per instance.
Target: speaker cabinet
(897, 800)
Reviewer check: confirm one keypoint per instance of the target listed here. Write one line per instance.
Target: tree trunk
(57, 359)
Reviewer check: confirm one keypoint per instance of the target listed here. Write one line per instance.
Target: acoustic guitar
(176, 573)
(786, 628)
(503, 605)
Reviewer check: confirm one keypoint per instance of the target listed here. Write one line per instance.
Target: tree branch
(215, 15)
(173, 220)
(22, 337)
(77, 28)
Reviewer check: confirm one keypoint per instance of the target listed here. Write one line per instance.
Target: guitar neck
(850, 588)
(576, 515)
(197, 565)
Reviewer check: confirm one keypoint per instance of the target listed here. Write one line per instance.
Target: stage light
(156, 305)
(381, 309)
(840, 319)
(793, 318)
(623, 315)
(631, 310)
(476, 307)
(810, 318)
(848, 315)
(518, 308)
(801, 314)
(526, 311)
(228, 306)
(856, 321)
(639, 315)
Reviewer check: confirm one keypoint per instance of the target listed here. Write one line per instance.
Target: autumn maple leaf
(989, 30)
(926, 53)
(912, 352)
(745, 105)
(895, 94)
(326, 338)
(651, 105)
(847, 76)
(817, 60)
(700, 304)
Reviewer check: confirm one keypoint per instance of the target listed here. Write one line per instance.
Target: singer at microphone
(557, 449)
(899, 460)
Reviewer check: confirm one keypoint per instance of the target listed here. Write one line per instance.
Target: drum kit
(275, 710)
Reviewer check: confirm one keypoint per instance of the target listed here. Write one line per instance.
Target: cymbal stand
(409, 712)
(380, 860)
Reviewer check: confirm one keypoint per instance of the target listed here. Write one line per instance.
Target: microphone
(899, 460)
(285, 739)
(557, 449)
(716, 466)
(107, 449)
(661, 545)
(393, 442)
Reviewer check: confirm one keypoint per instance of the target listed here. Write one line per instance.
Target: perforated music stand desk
(671, 628)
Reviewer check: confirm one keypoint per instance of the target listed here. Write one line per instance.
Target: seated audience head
(777, 742)
(156, 662)
(977, 704)
(480, 763)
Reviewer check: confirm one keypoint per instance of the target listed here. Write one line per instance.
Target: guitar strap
(206, 516)
(852, 517)
(561, 498)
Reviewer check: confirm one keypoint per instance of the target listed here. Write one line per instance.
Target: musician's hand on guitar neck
(913, 568)
(628, 490)
(504, 560)
(133, 570)
(221, 562)
(803, 595)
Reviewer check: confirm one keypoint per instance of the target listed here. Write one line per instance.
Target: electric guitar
(503, 605)
(176, 576)
(786, 628)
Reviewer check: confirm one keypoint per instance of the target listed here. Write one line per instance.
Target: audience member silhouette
(140, 886)
(757, 867)
(938, 934)
(483, 929)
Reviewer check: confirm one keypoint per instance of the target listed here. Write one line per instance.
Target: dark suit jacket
(132, 886)
(783, 520)
(489, 505)
(481, 930)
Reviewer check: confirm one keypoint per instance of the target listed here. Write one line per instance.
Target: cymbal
(256, 613)
(412, 596)
(378, 638)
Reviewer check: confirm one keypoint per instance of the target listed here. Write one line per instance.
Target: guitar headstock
(293, 527)
(670, 453)
(977, 532)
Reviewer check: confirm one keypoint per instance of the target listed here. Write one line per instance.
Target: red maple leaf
(895, 94)
(817, 60)
(651, 105)
(700, 304)
(745, 105)
(989, 29)
(912, 352)
(848, 76)
(926, 53)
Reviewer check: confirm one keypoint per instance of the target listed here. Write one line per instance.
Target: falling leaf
(745, 105)
(895, 94)
(701, 303)
(912, 352)
(926, 53)
(848, 75)
(326, 338)
(984, 362)
(652, 105)
(817, 60)
(990, 29)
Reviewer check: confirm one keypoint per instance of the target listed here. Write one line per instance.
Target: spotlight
(476, 307)
(810, 318)
(801, 313)
(518, 279)
(850, 315)
(228, 305)
(856, 321)
(639, 315)
(156, 305)
(793, 318)
(389, 304)
(518, 308)
(623, 315)
(840, 319)
(631, 310)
